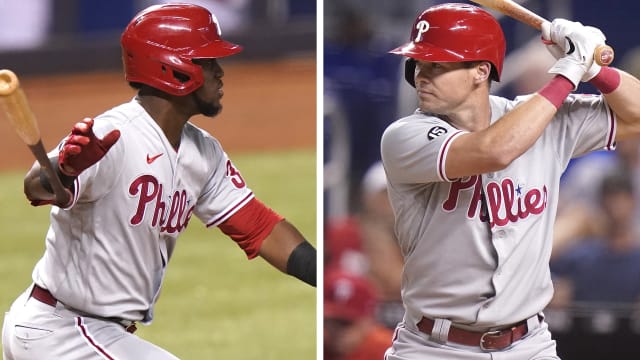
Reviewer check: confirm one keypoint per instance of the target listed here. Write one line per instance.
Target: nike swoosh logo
(572, 47)
(151, 159)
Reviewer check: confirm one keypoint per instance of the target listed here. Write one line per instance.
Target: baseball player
(473, 181)
(138, 174)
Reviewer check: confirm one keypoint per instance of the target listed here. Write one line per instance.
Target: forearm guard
(302, 263)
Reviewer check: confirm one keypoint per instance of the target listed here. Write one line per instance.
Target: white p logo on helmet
(422, 26)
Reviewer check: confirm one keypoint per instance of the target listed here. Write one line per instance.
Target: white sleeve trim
(75, 194)
(442, 155)
(226, 213)
(611, 134)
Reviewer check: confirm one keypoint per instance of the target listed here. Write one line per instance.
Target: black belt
(44, 296)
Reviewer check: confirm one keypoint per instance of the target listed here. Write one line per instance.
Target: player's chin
(426, 106)
(210, 109)
(431, 103)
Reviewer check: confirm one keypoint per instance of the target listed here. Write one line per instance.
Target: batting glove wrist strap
(571, 69)
(302, 263)
(591, 72)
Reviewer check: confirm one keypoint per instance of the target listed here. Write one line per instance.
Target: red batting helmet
(162, 40)
(454, 33)
(348, 296)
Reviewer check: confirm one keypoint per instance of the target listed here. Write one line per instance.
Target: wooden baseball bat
(16, 108)
(603, 55)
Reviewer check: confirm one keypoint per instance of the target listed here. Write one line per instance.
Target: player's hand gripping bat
(16, 108)
(603, 55)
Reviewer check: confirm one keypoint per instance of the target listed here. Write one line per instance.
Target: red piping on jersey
(89, 339)
(444, 150)
(75, 193)
(612, 128)
(234, 208)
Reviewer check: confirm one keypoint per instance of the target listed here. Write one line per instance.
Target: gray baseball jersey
(477, 248)
(112, 263)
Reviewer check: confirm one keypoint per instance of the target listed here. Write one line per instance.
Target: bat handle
(603, 55)
(62, 195)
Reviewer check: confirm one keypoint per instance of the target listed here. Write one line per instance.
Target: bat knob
(8, 82)
(603, 55)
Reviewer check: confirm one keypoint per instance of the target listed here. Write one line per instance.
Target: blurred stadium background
(45, 36)
(364, 91)
(215, 304)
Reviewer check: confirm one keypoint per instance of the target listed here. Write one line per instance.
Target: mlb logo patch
(436, 131)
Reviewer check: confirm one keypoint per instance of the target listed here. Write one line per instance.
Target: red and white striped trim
(231, 211)
(86, 336)
(611, 137)
(442, 155)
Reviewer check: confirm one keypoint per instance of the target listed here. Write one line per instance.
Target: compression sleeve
(250, 225)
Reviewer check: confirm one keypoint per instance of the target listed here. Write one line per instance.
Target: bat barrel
(8, 82)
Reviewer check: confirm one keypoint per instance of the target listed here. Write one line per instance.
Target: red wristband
(557, 90)
(607, 80)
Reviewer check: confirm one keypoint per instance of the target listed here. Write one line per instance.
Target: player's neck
(470, 118)
(166, 115)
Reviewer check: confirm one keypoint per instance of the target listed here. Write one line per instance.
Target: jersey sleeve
(224, 192)
(227, 202)
(414, 149)
(584, 123)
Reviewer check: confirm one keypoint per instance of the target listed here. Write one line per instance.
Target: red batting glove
(83, 149)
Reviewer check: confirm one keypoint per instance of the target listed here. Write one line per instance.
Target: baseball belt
(44, 296)
(488, 341)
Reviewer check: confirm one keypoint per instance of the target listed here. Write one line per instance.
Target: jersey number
(235, 176)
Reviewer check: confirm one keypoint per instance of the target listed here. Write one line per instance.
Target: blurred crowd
(361, 248)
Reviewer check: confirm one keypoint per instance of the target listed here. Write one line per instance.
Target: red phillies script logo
(506, 202)
(172, 217)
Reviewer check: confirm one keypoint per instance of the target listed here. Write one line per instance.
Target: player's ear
(483, 71)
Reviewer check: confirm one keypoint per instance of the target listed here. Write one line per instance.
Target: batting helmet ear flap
(410, 71)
